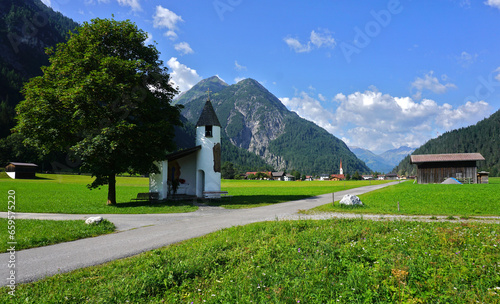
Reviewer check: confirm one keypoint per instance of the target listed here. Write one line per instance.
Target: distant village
(283, 176)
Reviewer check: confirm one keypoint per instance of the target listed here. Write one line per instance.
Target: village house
(324, 177)
(267, 174)
(278, 176)
(337, 177)
(391, 176)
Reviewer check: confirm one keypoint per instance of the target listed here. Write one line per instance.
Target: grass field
(37, 233)
(432, 199)
(255, 193)
(69, 194)
(51, 193)
(331, 261)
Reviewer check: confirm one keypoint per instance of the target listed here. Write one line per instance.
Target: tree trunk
(112, 190)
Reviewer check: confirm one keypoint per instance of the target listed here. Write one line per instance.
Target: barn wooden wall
(435, 173)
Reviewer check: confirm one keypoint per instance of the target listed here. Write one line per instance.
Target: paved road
(142, 232)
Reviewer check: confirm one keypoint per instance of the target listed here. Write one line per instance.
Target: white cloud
(182, 76)
(238, 79)
(165, 18)
(493, 3)
(323, 38)
(149, 40)
(379, 122)
(466, 114)
(297, 46)
(239, 67)
(311, 109)
(134, 4)
(47, 2)
(184, 48)
(431, 83)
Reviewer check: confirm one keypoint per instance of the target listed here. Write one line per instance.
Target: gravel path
(138, 233)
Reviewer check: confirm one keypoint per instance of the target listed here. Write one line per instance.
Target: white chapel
(195, 170)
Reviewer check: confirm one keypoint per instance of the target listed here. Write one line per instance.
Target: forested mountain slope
(483, 137)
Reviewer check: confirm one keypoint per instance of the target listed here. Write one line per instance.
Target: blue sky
(377, 74)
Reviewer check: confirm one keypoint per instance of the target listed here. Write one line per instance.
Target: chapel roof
(208, 116)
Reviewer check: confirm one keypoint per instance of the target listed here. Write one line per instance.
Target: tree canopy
(106, 99)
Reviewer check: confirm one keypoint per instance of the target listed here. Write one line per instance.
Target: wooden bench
(147, 196)
(215, 194)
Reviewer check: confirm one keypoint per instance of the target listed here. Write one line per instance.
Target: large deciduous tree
(106, 99)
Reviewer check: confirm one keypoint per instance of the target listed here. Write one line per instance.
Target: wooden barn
(435, 168)
(21, 170)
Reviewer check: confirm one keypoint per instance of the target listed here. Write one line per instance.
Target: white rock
(93, 220)
(351, 200)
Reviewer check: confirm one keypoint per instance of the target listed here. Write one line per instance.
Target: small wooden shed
(435, 168)
(21, 170)
(482, 177)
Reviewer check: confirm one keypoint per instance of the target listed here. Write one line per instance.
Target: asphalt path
(137, 233)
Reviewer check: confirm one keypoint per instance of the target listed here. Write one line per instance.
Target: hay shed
(21, 170)
(435, 168)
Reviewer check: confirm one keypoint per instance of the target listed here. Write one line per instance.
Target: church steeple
(208, 116)
(341, 170)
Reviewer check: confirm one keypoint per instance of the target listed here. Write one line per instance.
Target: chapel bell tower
(208, 169)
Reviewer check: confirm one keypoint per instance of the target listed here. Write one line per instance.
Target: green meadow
(433, 199)
(330, 261)
(51, 193)
(57, 193)
(256, 193)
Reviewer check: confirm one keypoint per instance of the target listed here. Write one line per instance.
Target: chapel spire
(208, 116)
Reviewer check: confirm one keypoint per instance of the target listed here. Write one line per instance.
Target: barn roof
(434, 158)
(23, 164)
(208, 116)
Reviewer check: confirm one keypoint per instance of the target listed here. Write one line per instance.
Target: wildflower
(299, 250)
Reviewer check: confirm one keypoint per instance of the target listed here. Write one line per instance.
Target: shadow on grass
(154, 204)
(42, 178)
(252, 200)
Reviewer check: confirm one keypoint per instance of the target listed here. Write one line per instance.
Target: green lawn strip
(250, 194)
(37, 233)
(431, 199)
(57, 193)
(330, 261)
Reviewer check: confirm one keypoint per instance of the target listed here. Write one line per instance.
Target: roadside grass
(37, 233)
(57, 193)
(329, 261)
(257, 193)
(431, 199)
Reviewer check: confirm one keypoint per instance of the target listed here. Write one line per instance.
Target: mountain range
(258, 131)
(384, 162)
(254, 120)
(483, 137)
(27, 27)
